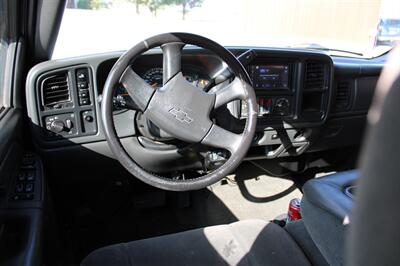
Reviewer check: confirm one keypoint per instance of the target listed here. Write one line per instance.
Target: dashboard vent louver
(342, 97)
(56, 89)
(314, 76)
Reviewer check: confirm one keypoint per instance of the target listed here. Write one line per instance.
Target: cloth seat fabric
(250, 242)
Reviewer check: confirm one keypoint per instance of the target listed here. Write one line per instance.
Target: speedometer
(154, 77)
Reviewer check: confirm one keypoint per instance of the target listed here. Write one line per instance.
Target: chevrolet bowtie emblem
(180, 115)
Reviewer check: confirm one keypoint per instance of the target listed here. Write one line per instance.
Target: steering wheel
(179, 108)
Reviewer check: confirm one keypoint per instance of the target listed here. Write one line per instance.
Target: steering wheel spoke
(232, 91)
(222, 138)
(138, 89)
(172, 54)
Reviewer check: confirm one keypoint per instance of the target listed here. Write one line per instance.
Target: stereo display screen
(270, 77)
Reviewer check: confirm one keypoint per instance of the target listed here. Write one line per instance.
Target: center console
(273, 82)
(329, 199)
(293, 89)
(291, 86)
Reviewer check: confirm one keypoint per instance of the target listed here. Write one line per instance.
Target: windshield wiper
(318, 47)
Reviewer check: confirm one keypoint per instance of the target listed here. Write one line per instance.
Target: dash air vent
(342, 97)
(314, 76)
(55, 90)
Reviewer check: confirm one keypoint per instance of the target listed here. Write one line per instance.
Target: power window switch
(17, 197)
(23, 197)
(29, 188)
(30, 176)
(29, 196)
(28, 161)
(21, 176)
(29, 155)
(19, 188)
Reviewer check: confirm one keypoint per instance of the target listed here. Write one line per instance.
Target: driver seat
(249, 242)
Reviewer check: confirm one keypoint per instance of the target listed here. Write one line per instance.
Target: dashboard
(307, 100)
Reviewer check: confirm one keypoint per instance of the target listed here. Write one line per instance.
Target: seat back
(375, 229)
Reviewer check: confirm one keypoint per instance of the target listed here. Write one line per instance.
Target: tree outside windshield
(94, 26)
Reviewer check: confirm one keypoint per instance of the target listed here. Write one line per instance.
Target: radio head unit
(270, 76)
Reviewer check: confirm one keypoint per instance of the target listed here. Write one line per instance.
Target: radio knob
(57, 126)
(282, 106)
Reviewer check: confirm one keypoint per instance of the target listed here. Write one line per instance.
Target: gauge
(196, 80)
(200, 83)
(120, 91)
(154, 77)
(192, 77)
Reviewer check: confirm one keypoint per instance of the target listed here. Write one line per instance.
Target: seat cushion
(251, 242)
(298, 231)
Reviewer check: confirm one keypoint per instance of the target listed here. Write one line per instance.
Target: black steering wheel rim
(114, 78)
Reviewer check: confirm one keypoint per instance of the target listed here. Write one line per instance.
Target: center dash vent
(342, 97)
(55, 90)
(314, 76)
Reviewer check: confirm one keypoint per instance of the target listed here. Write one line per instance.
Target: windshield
(368, 28)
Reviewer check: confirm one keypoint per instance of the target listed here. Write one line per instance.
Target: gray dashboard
(308, 118)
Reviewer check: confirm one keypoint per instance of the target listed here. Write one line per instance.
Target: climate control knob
(57, 126)
(282, 106)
